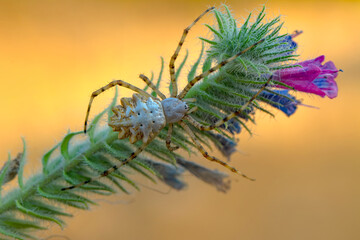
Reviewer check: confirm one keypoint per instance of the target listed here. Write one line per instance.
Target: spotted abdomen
(138, 118)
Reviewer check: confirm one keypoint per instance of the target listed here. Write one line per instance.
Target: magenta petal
(297, 74)
(326, 83)
(312, 77)
(308, 87)
(316, 61)
(329, 67)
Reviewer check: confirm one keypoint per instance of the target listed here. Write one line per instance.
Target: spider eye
(151, 111)
(153, 121)
(138, 114)
(141, 125)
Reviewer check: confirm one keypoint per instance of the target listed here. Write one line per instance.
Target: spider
(143, 116)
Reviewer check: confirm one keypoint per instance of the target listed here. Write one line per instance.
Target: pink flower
(312, 77)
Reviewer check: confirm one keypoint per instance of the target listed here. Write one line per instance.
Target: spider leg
(213, 69)
(110, 85)
(206, 155)
(173, 58)
(152, 86)
(113, 168)
(228, 117)
(168, 139)
(189, 100)
(192, 110)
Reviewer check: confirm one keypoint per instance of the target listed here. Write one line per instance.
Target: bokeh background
(53, 54)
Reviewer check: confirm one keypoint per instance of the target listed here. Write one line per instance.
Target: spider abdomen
(138, 118)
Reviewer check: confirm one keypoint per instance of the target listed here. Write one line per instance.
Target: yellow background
(53, 54)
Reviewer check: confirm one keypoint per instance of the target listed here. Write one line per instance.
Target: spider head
(174, 109)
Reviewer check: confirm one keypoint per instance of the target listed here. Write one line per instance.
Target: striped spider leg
(143, 116)
(176, 53)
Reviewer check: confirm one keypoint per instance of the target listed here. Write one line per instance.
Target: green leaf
(204, 109)
(38, 214)
(113, 179)
(19, 223)
(8, 232)
(253, 66)
(160, 77)
(144, 164)
(64, 146)
(207, 64)
(93, 125)
(219, 20)
(285, 66)
(46, 208)
(227, 11)
(134, 165)
(242, 63)
(80, 175)
(265, 111)
(123, 177)
(282, 84)
(4, 172)
(113, 103)
(275, 31)
(214, 31)
(46, 157)
(277, 53)
(243, 29)
(178, 71)
(21, 166)
(192, 72)
(208, 41)
(216, 100)
(66, 196)
(281, 59)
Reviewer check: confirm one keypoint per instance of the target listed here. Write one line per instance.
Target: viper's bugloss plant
(39, 198)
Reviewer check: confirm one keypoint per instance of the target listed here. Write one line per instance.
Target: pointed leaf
(219, 21)
(192, 72)
(37, 214)
(134, 165)
(160, 77)
(214, 31)
(113, 103)
(65, 196)
(46, 208)
(207, 64)
(93, 125)
(178, 71)
(4, 172)
(46, 157)
(8, 232)
(113, 179)
(64, 147)
(21, 166)
(208, 41)
(19, 223)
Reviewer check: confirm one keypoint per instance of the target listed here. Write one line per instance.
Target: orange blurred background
(53, 54)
